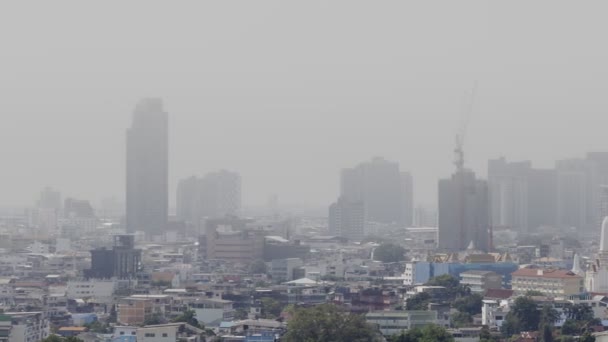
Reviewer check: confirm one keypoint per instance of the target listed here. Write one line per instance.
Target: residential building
(480, 281)
(134, 311)
(508, 188)
(549, 282)
(148, 169)
(386, 192)
(347, 219)
(463, 213)
(231, 240)
(394, 322)
(211, 311)
(573, 206)
(216, 195)
(24, 326)
(98, 290)
(123, 261)
(282, 270)
(158, 333)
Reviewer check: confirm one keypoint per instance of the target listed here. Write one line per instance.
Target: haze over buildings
(148, 168)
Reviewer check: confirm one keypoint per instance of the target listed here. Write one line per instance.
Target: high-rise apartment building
(542, 198)
(573, 193)
(386, 193)
(216, 195)
(49, 199)
(347, 219)
(148, 169)
(463, 212)
(508, 187)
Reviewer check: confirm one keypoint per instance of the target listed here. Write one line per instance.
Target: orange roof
(75, 329)
(544, 273)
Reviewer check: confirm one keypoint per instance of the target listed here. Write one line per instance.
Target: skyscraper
(508, 187)
(386, 193)
(347, 219)
(463, 212)
(215, 195)
(148, 168)
(573, 193)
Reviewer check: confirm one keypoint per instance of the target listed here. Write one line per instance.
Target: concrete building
(99, 290)
(394, 322)
(573, 194)
(549, 282)
(386, 193)
(508, 188)
(158, 333)
(230, 239)
(24, 326)
(463, 213)
(148, 169)
(211, 311)
(347, 219)
(480, 281)
(123, 261)
(542, 198)
(216, 195)
(134, 311)
(282, 270)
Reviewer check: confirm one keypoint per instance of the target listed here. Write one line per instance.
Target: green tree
(534, 293)
(461, 319)
(470, 304)
(389, 252)
(578, 312)
(420, 301)
(271, 308)
(329, 323)
(53, 338)
(72, 339)
(452, 285)
(570, 327)
(98, 327)
(258, 267)
(154, 319)
(485, 335)
(525, 311)
(587, 337)
(547, 333)
(189, 317)
(429, 333)
(567, 339)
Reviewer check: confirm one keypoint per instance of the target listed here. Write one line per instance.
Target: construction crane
(467, 110)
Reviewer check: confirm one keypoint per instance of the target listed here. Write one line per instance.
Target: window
(165, 335)
(149, 335)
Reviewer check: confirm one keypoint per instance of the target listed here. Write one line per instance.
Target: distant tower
(463, 208)
(148, 169)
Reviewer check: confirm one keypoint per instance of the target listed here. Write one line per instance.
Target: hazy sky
(289, 92)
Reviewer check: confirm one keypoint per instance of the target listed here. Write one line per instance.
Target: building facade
(463, 213)
(148, 169)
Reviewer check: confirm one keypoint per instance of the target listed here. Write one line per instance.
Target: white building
(158, 333)
(96, 289)
(26, 326)
(394, 322)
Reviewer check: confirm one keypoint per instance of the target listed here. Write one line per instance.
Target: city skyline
(400, 97)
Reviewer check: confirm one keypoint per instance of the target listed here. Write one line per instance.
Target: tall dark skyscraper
(148, 168)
